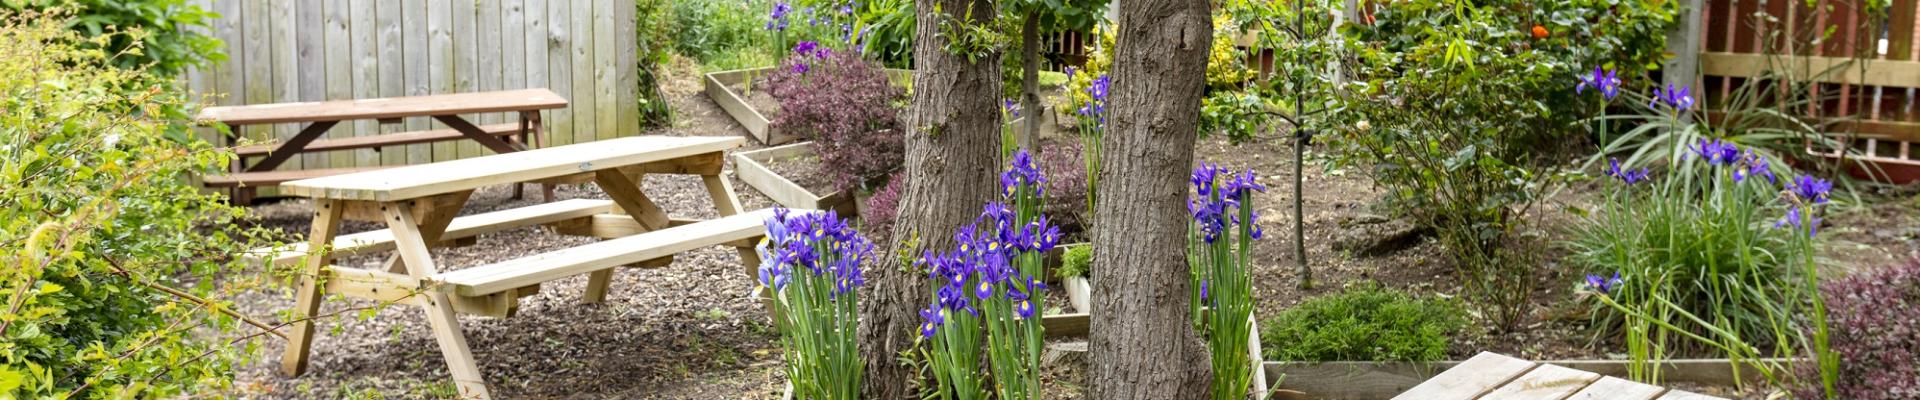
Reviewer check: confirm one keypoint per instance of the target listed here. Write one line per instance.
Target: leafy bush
(161, 30)
(876, 218)
(846, 106)
(1876, 325)
(1075, 261)
(111, 257)
(1066, 186)
(1364, 323)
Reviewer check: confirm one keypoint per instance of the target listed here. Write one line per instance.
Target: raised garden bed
(725, 88)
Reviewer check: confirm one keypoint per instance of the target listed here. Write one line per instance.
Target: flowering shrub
(1876, 331)
(1223, 232)
(812, 262)
(108, 258)
(991, 282)
(846, 106)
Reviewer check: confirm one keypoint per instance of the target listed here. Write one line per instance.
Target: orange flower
(1539, 32)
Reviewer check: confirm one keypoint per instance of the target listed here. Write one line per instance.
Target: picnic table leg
(438, 305)
(724, 201)
(625, 192)
(434, 225)
(326, 224)
(539, 133)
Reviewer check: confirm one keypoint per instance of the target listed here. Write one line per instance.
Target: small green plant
(1075, 261)
(1364, 323)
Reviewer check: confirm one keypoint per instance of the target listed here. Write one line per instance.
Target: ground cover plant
(1364, 323)
(110, 266)
(1875, 317)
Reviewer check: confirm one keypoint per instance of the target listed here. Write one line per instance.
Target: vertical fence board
(337, 62)
(583, 103)
(605, 82)
(560, 67)
(626, 68)
(466, 56)
(259, 75)
(392, 81)
(513, 47)
(414, 53)
(536, 51)
(487, 47)
(365, 72)
(440, 65)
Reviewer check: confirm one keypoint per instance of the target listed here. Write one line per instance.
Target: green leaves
(1365, 323)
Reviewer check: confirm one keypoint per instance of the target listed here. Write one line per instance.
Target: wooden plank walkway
(1489, 376)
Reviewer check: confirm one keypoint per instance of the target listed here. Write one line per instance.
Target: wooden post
(1684, 42)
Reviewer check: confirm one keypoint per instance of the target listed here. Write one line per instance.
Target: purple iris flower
(1794, 218)
(1011, 107)
(1602, 284)
(1811, 189)
(1629, 176)
(1603, 80)
(777, 19)
(1023, 172)
(1680, 98)
(1717, 152)
(933, 318)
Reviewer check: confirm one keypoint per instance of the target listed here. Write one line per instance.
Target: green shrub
(111, 257)
(1365, 323)
(162, 30)
(1075, 261)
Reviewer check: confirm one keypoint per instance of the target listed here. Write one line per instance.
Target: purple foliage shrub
(1066, 186)
(846, 106)
(876, 218)
(1875, 322)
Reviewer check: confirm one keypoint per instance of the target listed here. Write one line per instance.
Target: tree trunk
(953, 152)
(1030, 83)
(1143, 343)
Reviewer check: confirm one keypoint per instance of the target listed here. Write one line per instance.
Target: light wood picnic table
(319, 117)
(1489, 376)
(418, 204)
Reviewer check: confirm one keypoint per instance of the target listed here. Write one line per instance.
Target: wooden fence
(312, 50)
(1864, 68)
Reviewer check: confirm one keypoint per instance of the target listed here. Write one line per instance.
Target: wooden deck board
(1547, 381)
(1471, 379)
(1611, 388)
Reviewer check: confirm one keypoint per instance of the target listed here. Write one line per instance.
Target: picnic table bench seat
(502, 276)
(377, 141)
(459, 228)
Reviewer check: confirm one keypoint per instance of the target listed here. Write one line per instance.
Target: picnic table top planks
(1489, 376)
(386, 108)
(418, 181)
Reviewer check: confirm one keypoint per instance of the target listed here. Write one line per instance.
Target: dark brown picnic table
(319, 117)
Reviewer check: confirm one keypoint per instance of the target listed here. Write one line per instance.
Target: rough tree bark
(1143, 344)
(953, 153)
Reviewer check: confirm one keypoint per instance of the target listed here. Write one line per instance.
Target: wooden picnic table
(418, 204)
(319, 117)
(1489, 376)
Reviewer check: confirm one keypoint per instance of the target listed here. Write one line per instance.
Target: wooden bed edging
(718, 86)
(1365, 380)
(752, 168)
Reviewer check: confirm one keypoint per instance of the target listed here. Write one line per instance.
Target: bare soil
(689, 331)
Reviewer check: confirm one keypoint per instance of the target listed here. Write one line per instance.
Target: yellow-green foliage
(1226, 63)
(98, 224)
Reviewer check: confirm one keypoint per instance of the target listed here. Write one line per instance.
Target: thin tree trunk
(952, 155)
(1143, 343)
(1030, 83)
